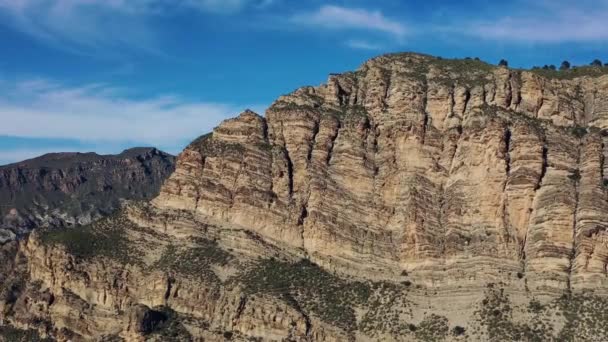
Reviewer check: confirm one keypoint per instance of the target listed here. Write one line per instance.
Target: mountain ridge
(416, 199)
(58, 189)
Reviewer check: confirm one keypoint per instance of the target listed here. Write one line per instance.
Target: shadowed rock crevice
(313, 140)
(294, 303)
(575, 177)
(289, 172)
(507, 151)
(332, 144)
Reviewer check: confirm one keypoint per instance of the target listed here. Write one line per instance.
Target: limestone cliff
(416, 198)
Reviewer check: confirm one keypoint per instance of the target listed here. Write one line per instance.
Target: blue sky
(104, 75)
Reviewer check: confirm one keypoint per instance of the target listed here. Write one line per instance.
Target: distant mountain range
(67, 189)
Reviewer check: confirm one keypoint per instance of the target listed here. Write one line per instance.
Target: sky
(105, 75)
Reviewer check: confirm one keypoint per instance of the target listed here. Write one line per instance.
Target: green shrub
(458, 331)
(578, 131)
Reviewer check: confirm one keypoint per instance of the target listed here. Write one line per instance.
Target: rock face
(66, 189)
(416, 198)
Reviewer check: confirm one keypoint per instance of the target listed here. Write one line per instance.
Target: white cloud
(344, 18)
(363, 45)
(44, 109)
(548, 22)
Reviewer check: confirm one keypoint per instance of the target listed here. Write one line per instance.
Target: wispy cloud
(96, 112)
(344, 18)
(91, 26)
(82, 26)
(547, 22)
(363, 45)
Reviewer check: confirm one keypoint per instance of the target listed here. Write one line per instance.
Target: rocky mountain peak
(416, 198)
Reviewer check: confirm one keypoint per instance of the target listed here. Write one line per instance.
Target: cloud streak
(547, 22)
(363, 45)
(45, 109)
(344, 18)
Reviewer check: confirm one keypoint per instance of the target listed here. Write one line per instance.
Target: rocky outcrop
(66, 189)
(416, 198)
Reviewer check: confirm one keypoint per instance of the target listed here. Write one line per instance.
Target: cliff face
(418, 164)
(413, 199)
(66, 189)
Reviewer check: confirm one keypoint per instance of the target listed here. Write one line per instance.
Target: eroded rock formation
(416, 198)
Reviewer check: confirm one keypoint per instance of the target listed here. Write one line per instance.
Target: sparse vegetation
(308, 286)
(103, 238)
(193, 261)
(385, 311)
(585, 316)
(495, 316)
(282, 105)
(11, 334)
(209, 147)
(464, 72)
(351, 111)
(503, 63)
(470, 72)
(550, 71)
(535, 306)
(432, 328)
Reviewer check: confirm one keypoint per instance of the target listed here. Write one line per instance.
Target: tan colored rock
(425, 184)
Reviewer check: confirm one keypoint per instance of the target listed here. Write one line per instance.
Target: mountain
(66, 189)
(415, 199)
